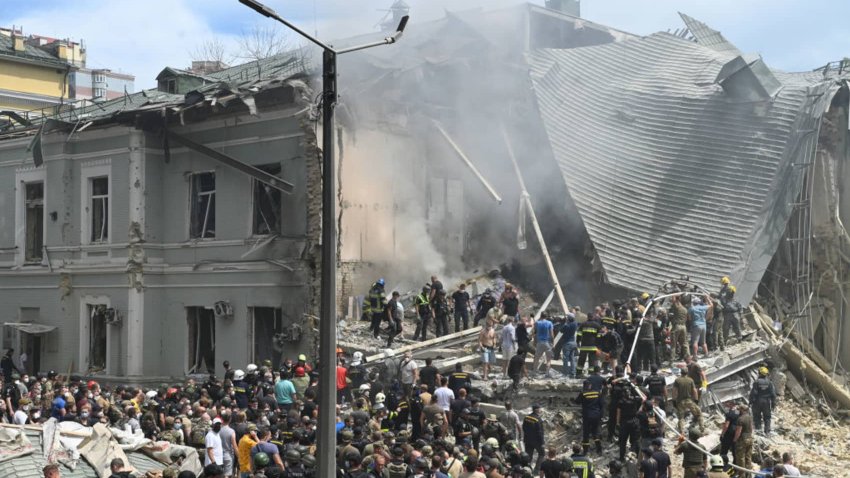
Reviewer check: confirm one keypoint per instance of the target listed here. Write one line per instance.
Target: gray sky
(143, 37)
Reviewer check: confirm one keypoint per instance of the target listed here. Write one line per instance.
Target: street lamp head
(402, 24)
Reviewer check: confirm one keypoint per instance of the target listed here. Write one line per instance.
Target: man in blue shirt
(697, 313)
(284, 392)
(543, 337)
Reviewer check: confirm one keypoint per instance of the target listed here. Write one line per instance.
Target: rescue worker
(376, 304)
(582, 466)
(592, 406)
(727, 433)
(685, 399)
(611, 346)
(440, 306)
(651, 425)
(717, 466)
(293, 468)
(586, 337)
(423, 310)
(460, 305)
(459, 379)
(731, 314)
(693, 459)
(394, 316)
(533, 436)
(617, 385)
(744, 438)
(627, 410)
(485, 303)
(762, 400)
(678, 330)
(656, 385)
(645, 352)
(716, 338)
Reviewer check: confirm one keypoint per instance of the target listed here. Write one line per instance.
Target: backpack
(199, 432)
(397, 470)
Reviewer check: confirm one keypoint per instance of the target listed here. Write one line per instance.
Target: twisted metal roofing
(670, 175)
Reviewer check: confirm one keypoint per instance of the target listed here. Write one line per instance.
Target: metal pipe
(525, 197)
(469, 164)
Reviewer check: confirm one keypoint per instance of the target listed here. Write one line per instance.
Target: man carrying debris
(763, 400)
(685, 398)
(460, 304)
(423, 310)
(375, 304)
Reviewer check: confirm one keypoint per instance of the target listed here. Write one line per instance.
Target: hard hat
(644, 296)
(380, 398)
(171, 392)
(239, 375)
(299, 371)
(380, 281)
(293, 456)
(724, 280)
(358, 356)
(151, 393)
(379, 406)
(365, 387)
(308, 460)
(763, 371)
(251, 368)
(715, 461)
(261, 460)
(302, 358)
(91, 384)
(492, 441)
(732, 289)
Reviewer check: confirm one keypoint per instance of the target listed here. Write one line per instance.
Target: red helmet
(91, 384)
(171, 392)
(299, 372)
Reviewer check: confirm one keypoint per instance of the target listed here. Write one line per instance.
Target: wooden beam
(469, 333)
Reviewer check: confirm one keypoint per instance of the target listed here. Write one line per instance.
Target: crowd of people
(398, 419)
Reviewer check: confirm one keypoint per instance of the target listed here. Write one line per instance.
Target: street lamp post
(326, 439)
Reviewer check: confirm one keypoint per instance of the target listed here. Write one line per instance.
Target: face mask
(84, 415)
(36, 415)
(90, 395)
(178, 425)
(26, 408)
(189, 413)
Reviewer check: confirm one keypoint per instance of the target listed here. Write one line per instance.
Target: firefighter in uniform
(423, 309)
(592, 404)
(582, 466)
(376, 303)
(763, 400)
(460, 379)
(586, 337)
(532, 434)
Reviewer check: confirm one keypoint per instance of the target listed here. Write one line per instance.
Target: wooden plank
(469, 333)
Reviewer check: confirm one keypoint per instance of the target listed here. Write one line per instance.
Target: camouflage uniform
(744, 445)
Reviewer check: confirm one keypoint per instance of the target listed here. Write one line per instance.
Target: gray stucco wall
(169, 272)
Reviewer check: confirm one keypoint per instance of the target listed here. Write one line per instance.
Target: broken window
(99, 188)
(97, 337)
(268, 321)
(202, 213)
(34, 221)
(201, 332)
(267, 202)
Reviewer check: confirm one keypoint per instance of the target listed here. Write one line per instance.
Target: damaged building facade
(164, 232)
(648, 158)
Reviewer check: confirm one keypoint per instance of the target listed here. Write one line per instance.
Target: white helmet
(492, 441)
(380, 397)
(358, 356)
(251, 368)
(151, 394)
(238, 375)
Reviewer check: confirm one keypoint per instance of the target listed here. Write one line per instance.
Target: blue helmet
(380, 281)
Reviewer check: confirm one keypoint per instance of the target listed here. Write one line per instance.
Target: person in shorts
(487, 341)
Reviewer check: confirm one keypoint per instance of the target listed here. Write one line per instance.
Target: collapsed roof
(702, 152)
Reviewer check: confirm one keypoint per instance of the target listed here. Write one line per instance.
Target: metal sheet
(692, 182)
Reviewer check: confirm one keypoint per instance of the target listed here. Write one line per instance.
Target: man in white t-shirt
(213, 446)
(444, 395)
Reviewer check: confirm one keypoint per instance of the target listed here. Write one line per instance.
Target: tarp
(31, 328)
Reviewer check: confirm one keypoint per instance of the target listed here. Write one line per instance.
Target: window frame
(255, 184)
(192, 201)
(22, 178)
(87, 174)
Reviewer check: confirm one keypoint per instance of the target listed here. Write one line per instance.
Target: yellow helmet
(724, 280)
(732, 289)
(763, 371)
(644, 296)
